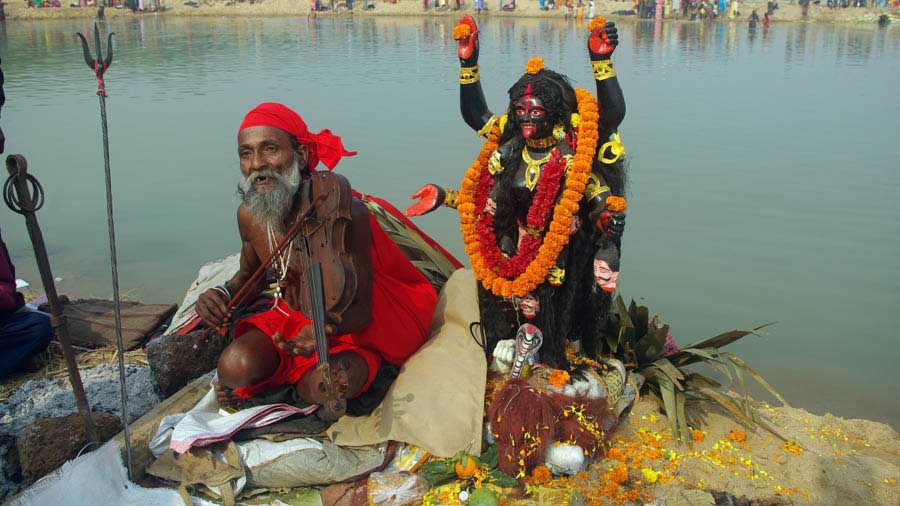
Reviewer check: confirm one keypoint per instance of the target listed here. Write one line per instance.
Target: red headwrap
(323, 146)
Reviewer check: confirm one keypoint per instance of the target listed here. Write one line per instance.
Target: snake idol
(542, 207)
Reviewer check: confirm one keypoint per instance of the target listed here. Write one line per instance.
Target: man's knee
(248, 360)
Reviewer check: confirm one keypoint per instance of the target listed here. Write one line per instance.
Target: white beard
(271, 208)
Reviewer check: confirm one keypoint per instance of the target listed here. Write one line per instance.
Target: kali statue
(542, 207)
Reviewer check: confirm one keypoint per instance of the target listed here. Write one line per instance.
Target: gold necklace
(533, 168)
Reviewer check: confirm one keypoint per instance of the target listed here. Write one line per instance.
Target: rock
(52, 397)
(176, 360)
(10, 471)
(50, 442)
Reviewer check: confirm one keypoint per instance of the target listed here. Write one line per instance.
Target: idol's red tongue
(527, 130)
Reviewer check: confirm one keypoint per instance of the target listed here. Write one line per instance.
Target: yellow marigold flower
(534, 65)
(650, 476)
(462, 31)
(598, 22)
(575, 120)
(616, 204)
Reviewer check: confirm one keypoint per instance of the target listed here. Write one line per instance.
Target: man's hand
(430, 197)
(603, 41)
(212, 307)
(226, 396)
(304, 344)
(467, 51)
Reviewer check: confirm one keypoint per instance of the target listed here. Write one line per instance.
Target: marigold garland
(616, 204)
(534, 65)
(462, 31)
(556, 236)
(598, 22)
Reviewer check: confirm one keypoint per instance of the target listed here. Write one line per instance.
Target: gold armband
(594, 191)
(451, 198)
(486, 129)
(468, 75)
(615, 147)
(603, 69)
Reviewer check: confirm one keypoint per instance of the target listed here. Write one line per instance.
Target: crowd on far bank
(134, 5)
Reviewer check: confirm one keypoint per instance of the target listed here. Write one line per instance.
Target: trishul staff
(99, 66)
(24, 195)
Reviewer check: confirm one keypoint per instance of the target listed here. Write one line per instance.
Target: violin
(337, 235)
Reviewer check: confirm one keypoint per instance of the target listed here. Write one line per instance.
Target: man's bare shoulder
(246, 222)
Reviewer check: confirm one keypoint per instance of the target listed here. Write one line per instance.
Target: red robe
(403, 303)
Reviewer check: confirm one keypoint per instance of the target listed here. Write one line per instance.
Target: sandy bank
(16, 10)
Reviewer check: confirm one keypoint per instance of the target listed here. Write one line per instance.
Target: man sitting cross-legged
(275, 348)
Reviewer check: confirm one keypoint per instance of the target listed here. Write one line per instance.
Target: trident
(99, 66)
(24, 195)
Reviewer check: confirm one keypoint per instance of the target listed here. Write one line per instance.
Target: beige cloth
(437, 401)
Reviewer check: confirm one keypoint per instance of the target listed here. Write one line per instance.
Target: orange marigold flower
(698, 435)
(462, 31)
(616, 454)
(737, 436)
(616, 204)
(792, 447)
(619, 474)
(534, 65)
(559, 378)
(598, 22)
(540, 475)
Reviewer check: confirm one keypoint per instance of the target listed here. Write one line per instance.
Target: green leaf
(667, 392)
(745, 395)
(679, 410)
(489, 457)
(739, 362)
(726, 402)
(640, 317)
(726, 338)
(437, 472)
(691, 355)
(503, 480)
(722, 368)
(671, 371)
(695, 381)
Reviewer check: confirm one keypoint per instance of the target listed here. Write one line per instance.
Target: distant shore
(16, 10)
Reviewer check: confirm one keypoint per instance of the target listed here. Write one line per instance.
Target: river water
(763, 177)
